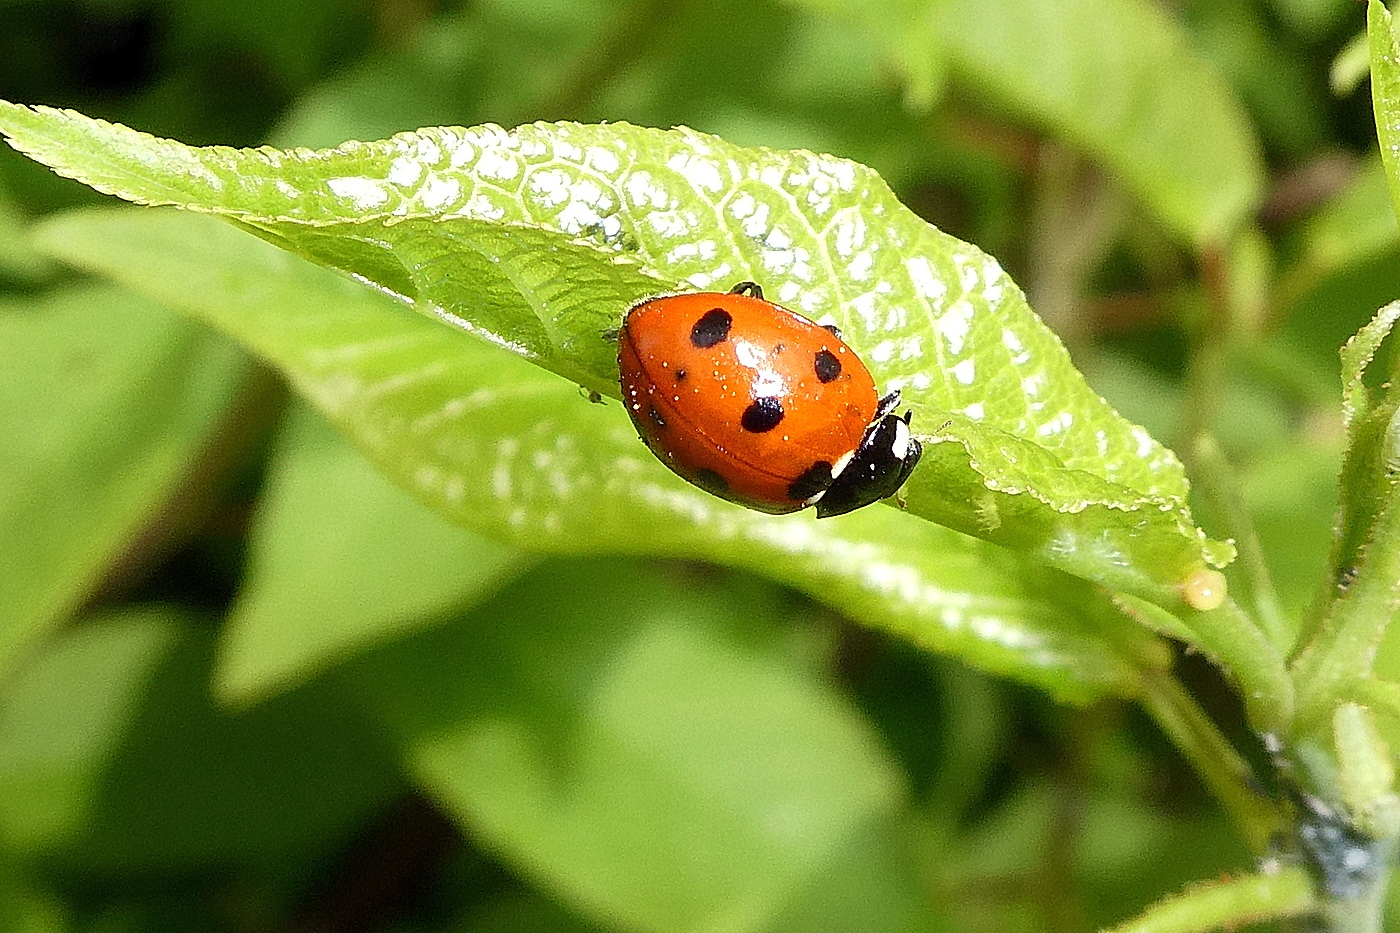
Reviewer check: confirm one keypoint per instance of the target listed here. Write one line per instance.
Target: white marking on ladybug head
(900, 446)
(841, 464)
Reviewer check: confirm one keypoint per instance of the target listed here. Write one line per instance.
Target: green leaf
(1118, 79)
(24, 907)
(901, 31)
(869, 883)
(471, 61)
(107, 402)
(510, 451)
(1314, 19)
(339, 560)
(521, 913)
(1365, 772)
(593, 688)
(1385, 91)
(786, 80)
(18, 257)
(52, 746)
(537, 238)
(1271, 71)
(1351, 66)
(1342, 643)
(1372, 456)
(1228, 904)
(113, 756)
(1355, 224)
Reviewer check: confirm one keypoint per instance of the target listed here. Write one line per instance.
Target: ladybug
(759, 405)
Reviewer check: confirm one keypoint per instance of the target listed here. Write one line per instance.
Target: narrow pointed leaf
(1368, 472)
(1343, 643)
(340, 559)
(1228, 904)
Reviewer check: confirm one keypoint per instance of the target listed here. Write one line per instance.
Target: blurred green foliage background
(488, 741)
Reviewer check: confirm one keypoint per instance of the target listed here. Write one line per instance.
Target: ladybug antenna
(752, 289)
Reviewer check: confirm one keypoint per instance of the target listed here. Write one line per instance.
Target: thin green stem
(1074, 216)
(1228, 635)
(1228, 904)
(1218, 763)
(1215, 478)
(1208, 365)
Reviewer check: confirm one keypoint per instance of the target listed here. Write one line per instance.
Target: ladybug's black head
(887, 455)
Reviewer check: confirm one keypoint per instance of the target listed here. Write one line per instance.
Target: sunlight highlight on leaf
(536, 239)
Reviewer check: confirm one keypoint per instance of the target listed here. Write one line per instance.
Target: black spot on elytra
(680, 375)
(656, 418)
(763, 414)
(828, 367)
(711, 482)
(815, 480)
(712, 328)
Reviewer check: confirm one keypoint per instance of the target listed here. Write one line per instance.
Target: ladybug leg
(936, 432)
(752, 289)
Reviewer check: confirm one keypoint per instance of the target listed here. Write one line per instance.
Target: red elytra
(759, 405)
